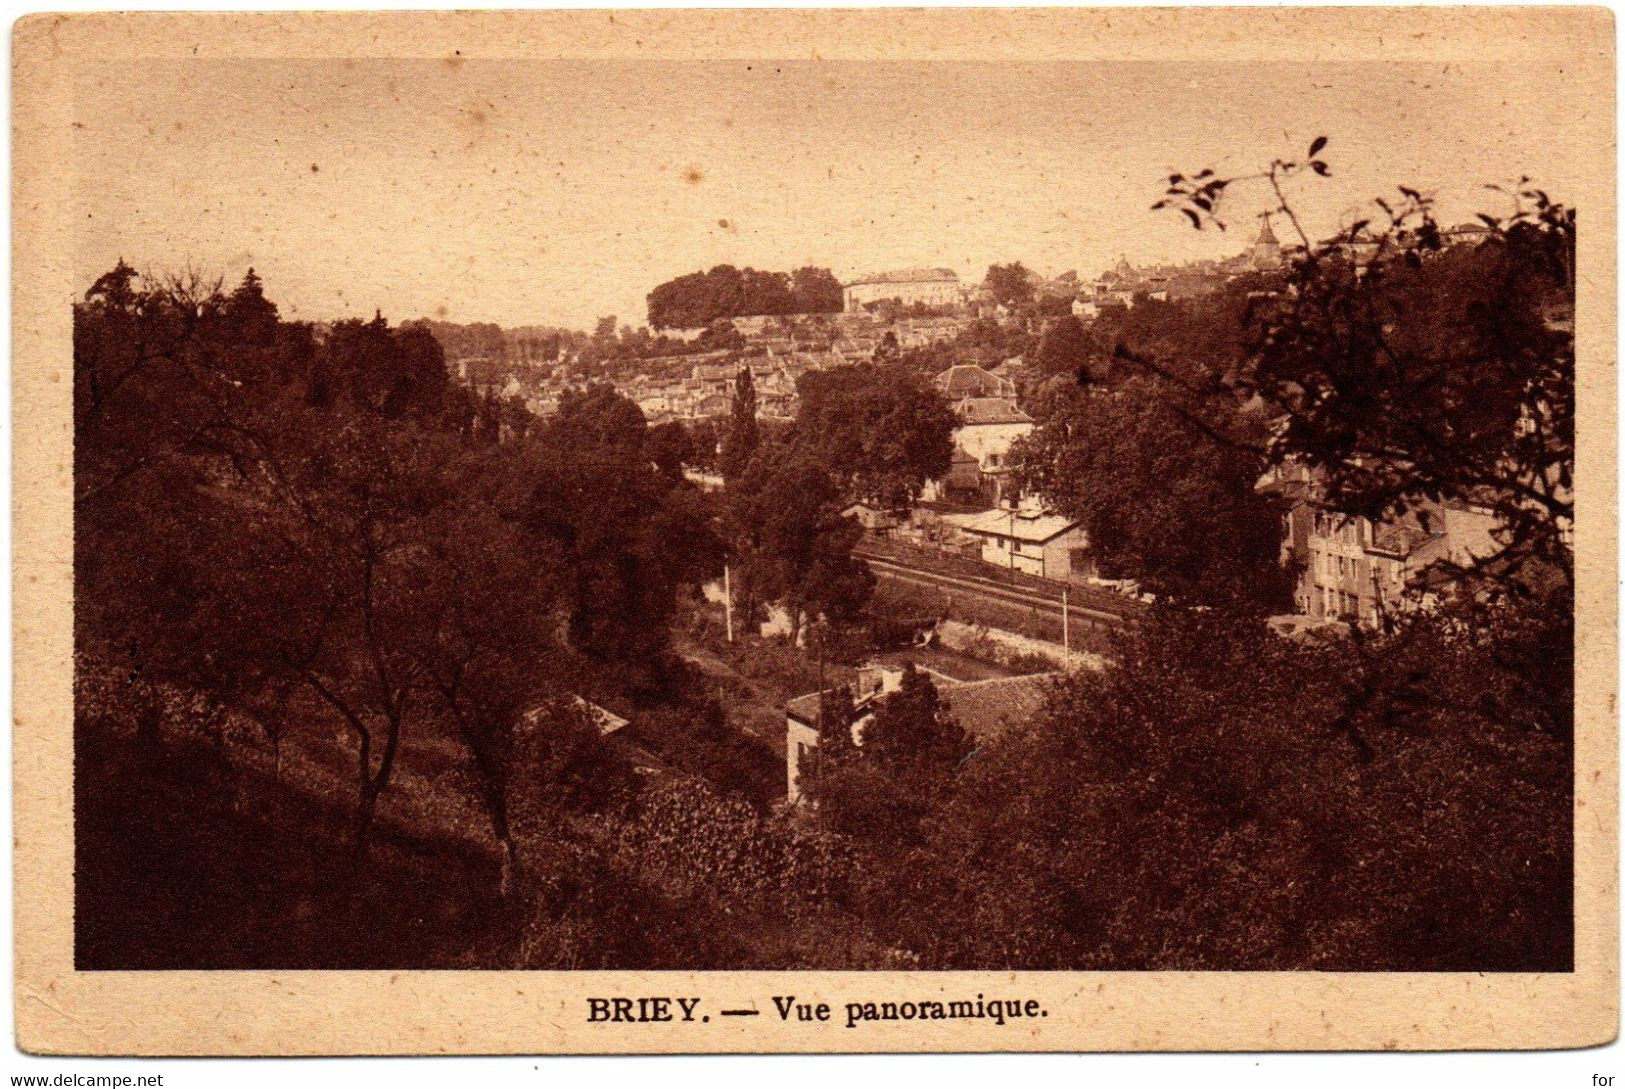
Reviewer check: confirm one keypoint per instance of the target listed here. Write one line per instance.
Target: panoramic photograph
(822, 515)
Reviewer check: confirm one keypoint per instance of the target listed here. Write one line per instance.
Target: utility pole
(728, 600)
(1012, 542)
(1066, 626)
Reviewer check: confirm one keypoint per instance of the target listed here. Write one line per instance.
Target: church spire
(1266, 237)
(1266, 251)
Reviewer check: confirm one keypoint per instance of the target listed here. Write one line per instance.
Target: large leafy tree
(1221, 798)
(631, 534)
(1009, 285)
(1160, 499)
(376, 369)
(816, 291)
(883, 792)
(1065, 348)
(297, 533)
(700, 298)
(792, 540)
(913, 733)
(880, 431)
(1405, 370)
(671, 447)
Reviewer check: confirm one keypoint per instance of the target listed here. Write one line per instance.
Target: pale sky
(554, 192)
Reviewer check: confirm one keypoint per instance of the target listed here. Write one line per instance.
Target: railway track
(1096, 613)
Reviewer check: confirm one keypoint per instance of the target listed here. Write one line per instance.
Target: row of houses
(1355, 570)
(775, 361)
(706, 392)
(1347, 568)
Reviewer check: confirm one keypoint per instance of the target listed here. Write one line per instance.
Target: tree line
(700, 298)
(312, 532)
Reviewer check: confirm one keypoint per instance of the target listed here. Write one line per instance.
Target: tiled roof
(1293, 491)
(967, 379)
(1398, 540)
(606, 721)
(989, 709)
(1034, 529)
(909, 276)
(990, 410)
(805, 708)
(985, 709)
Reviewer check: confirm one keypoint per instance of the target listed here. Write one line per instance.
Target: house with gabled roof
(968, 380)
(1029, 538)
(987, 709)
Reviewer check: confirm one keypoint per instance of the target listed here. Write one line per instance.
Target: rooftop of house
(805, 708)
(948, 665)
(909, 276)
(986, 709)
(1399, 540)
(936, 508)
(605, 720)
(1018, 525)
(1010, 368)
(968, 380)
(990, 410)
(1293, 491)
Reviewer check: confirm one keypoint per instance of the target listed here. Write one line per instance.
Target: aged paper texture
(323, 528)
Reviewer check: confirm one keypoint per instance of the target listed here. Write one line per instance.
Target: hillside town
(778, 608)
(1348, 570)
(979, 528)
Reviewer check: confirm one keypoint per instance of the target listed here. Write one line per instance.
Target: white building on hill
(1030, 539)
(931, 286)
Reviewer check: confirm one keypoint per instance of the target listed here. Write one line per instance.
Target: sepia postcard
(815, 531)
